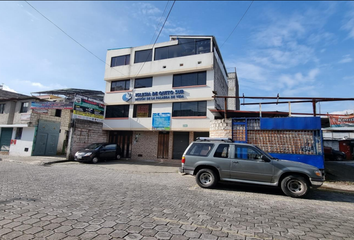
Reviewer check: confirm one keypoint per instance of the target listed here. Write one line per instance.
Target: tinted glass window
(24, 107)
(181, 109)
(143, 56)
(93, 146)
(142, 110)
(110, 147)
(18, 133)
(117, 111)
(189, 79)
(2, 108)
(222, 151)
(200, 149)
(120, 60)
(120, 85)
(243, 152)
(185, 47)
(143, 82)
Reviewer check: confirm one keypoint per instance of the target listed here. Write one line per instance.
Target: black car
(335, 155)
(98, 151)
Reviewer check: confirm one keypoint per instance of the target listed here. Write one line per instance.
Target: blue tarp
(291, 123)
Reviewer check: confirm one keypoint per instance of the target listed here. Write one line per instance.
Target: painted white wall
(26, 141)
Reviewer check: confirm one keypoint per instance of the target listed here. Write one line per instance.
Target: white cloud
(348, 23)
(346, 59)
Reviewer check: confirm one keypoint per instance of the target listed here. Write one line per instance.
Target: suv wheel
(207, 178)
(294, 186)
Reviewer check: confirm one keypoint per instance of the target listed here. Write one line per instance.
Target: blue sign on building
(161, 121)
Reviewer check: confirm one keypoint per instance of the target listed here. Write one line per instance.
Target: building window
(120, 85)
(142, 111)
(18, 133)
(143, 56)
(57, 112)
(189, 109)
(143, 82)
(120, 60)
(185, 47)
(117, 111)
(2, 108)
(24, 107)
(189, 79)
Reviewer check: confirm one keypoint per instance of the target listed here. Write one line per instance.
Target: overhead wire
(159, 22)
(72, 37)
(157, 37)
(237, 23)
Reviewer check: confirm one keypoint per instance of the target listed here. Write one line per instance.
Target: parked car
(335, 155)
(98, 151)
(212, 160)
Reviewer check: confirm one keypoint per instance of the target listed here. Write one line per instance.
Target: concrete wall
(25, 143)
(7, 116)
(221, 128)
(220, 84)
(83, 134)
(233, 103)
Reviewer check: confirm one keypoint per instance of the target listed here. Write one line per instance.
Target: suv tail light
(183, 159)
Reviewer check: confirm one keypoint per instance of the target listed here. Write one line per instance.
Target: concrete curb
(340, 190)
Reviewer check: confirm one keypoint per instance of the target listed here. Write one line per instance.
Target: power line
(159, 21)
(71, 37)
(157, 36)
(237, 23)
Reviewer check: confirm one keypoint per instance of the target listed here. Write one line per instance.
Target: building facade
(158, 97)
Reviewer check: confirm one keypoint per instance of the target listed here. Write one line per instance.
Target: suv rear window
(200, 149)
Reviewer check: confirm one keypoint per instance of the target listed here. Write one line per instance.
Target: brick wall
(84, 133)
(221, 128)
(145, 144)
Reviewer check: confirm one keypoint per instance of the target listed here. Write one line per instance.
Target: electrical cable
(237, 23)
(72, 37)
(157, 36)
(159, 21)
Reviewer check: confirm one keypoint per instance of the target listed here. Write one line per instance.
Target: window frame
(147, 59)
(125, 111)
(197, 148)
(223, 145)
(18, 134)
(2, 108)
(137, 79)
(201, 79)
(126, 60)
(24, 108)
(58, 112)
(126, 88)
(174, 104)
(135, 108)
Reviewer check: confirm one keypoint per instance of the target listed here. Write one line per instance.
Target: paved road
(105, 201)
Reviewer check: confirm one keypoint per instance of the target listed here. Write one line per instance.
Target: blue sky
(291, 48)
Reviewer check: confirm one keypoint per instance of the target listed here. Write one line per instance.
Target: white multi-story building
(158, 97)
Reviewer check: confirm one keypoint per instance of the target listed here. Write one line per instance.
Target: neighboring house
(158, 97)
(16, 127)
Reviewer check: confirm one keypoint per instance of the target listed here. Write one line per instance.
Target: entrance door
(5, 139)
(124, 140)
(180, 143)
(46, 138)
(162, 147)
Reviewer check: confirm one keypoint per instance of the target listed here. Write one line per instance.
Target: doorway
(124, 140)
(5, 139)
(162, 145)
(180, 143)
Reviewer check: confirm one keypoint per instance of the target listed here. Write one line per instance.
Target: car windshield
(265, 153)
(93, 146)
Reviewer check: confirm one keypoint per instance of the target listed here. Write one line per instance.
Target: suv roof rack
(214, 139)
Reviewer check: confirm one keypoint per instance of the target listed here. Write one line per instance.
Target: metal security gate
(47, 137)
(180, 143)
(5, 139)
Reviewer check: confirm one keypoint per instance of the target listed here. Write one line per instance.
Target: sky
(290, 48)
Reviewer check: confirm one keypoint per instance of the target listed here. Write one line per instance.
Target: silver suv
(212, 159)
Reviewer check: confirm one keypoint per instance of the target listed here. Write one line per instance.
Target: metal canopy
(71, 92)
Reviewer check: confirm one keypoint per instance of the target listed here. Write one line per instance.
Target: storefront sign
(341, 121)
(25, 116)
(161, 95)
(51, 105)
(161, 121)
(88, 109)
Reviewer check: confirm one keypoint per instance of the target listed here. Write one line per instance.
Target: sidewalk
(337, 185)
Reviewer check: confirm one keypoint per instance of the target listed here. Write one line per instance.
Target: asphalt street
(131, 201)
